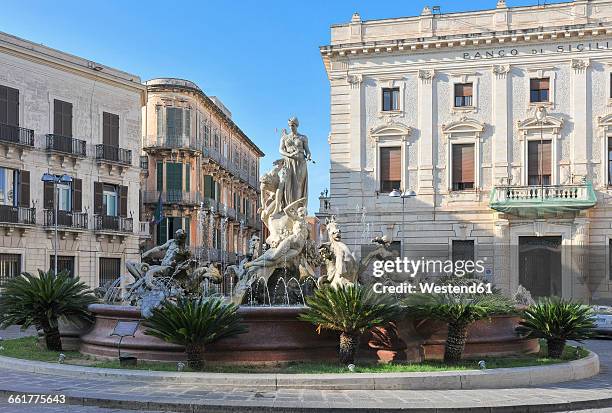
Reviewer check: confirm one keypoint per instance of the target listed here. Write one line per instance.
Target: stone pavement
(594, 393)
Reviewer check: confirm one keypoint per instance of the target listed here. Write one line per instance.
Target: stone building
(202, 168)
(498, 122)
(71, 117)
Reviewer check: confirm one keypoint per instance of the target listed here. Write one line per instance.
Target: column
(582, 133)
(500, 120)
(425, 119)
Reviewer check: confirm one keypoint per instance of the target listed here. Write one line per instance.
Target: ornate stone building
(496, 127)
(67, 116)
(202, 168)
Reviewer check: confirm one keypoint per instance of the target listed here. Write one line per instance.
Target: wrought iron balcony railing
(113, 223)
(68, 219)
(113, 154)
(172, 197)
(65, 144)
(16, 135)
(17, 215)
(173, 142)
(542, 201)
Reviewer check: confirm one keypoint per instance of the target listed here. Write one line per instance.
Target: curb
(197, 406)
(452, 380)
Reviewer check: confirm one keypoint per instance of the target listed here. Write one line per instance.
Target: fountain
(270, 286)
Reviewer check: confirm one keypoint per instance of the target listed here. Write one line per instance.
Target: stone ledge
(470, 379)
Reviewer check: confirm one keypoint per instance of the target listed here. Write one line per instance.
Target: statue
(295, 152)
(340, 263)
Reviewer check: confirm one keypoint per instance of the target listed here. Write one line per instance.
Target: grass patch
(28, 348)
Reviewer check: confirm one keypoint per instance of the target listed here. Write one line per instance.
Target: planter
(70, 333)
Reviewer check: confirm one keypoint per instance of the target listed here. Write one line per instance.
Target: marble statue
(295, 152)
(340, 263)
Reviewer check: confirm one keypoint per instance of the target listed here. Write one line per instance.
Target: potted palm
(41, 301)
(351, 310)
(194, 323)
(459, 311)
(557, 320)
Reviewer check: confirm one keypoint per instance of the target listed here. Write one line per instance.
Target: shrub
(459, 311)
(193, 323)
(351, 310)
(557, 320)
(40, 301)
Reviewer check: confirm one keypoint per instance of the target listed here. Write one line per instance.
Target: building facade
(202, 169)
(495, 125)
(71, 117)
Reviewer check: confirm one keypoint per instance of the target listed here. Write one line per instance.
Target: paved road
(296, 400)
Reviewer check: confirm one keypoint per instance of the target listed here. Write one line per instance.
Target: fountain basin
(275, 335)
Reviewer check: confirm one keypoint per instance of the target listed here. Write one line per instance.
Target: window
(462, 250)
(63, 263)
(390, 169)
(7, 186)
(160, 175)
(539, 162)
(110, 270)
(110, 199)
(539, 89)
(610, 161)
(463, 94)
(64, 195)
(174, 177)
(178, 122)
(110, 129)
(463, 166)
(390, 99)
(9, 106)
(168, 227)
(62, 118)
(10, 267)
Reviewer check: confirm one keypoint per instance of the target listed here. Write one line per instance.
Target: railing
(230, 212)
(537, 193)
(144, 162)
(172, 197)
(113, 223)
(210, 203)
(67, 219)
(17, 215)
(206, 254)
(144, 230)
(113, 154)
(16, 134)
(173, 142)
(65, 144)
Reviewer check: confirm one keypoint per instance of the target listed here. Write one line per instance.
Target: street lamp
(396, 193)
(55, 179)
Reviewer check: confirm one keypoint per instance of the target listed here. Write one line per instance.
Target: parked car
(603, 319)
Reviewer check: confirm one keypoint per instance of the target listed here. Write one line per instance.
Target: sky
(261, 58)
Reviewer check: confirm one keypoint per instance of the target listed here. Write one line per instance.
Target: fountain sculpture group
(291, 260)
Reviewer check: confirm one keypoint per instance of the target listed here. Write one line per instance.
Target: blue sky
(261, 58)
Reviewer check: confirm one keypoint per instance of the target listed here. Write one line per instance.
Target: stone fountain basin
(275, 335)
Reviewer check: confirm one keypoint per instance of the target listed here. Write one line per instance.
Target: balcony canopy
(542, 201)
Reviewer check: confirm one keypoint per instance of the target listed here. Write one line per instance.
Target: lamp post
(396, 193)
(55, 179)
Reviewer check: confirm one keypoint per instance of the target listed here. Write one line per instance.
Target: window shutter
(110, 129)
(539, 156)
(9, 106)
(160, 176)
(174, 176)
(390, 164)
(57, 117)
(123, 201)
(114, 130)
(77, 195)
(187, 130)
(546, 158)
(24, 189)
(98, 198)
(463, 163)
(187, 176)
(62, 118)
(208, 186)
(162, 234)
(48, 195)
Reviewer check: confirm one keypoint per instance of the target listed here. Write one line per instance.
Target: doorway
(540, 265)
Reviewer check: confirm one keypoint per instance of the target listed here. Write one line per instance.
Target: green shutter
(160, 176)
(174, 177)
(187, 176)
(208, 186)
(186, 228)
(162, 232)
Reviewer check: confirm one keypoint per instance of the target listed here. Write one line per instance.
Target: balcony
(65, 219)
(537, 201)
(106, 223)
(144, 230)
(172, 197)
(210, 203)
(113, 154)
(16, 135)
(173, 142)
(17, 215)
(66, 145)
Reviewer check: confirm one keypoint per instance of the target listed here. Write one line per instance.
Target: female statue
(295, 152)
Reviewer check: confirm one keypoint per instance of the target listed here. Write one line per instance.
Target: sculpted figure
(341, 265)
(295, 152)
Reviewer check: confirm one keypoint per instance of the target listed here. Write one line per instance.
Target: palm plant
(351, 310)
(459, 311)
(557, 321)
(193, 323)
(40, 301)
